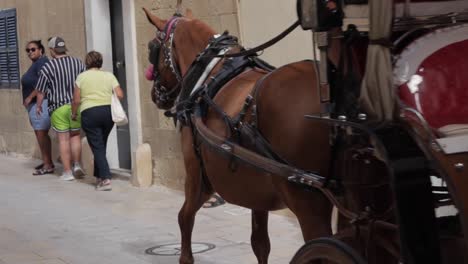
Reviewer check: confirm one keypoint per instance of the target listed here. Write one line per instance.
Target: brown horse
(283, 97)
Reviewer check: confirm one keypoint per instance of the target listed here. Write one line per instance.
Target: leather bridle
(164, 42)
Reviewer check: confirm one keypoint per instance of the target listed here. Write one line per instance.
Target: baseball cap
(58, 44)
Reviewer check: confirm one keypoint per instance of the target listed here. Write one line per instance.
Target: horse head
(178, 41)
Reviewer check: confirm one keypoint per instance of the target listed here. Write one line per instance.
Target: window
(9, 64)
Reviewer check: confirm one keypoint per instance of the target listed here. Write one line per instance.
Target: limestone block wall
(36, 21)
(158, 131)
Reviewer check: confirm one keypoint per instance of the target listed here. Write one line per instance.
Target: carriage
(386, 110)
(421, 139)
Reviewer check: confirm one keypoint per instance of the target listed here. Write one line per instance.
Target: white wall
(261, 20)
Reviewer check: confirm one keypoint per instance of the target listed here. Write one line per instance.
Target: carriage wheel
(326, 250)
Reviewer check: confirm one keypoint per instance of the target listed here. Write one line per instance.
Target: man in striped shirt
(57, 81)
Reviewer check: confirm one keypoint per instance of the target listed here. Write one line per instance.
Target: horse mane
(194, 33)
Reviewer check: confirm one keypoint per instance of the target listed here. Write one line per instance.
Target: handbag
(118, 113)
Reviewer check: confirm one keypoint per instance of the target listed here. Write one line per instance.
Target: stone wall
(158, 131)
(36, 21)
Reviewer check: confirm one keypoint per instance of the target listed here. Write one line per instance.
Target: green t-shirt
(95, 88)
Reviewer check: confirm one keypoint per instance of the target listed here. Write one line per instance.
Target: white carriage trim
(447, 210)
(454, 130)
(413, 55)
(454, 144)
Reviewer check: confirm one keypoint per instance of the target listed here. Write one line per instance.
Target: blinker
(154, 47)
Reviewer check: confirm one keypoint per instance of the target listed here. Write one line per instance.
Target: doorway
(119, 68)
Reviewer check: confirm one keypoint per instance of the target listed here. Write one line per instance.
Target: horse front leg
(259, 239)
(186, 221)
(195, 195)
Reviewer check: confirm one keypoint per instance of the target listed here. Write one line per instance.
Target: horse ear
(179, 7)
(189, 13)
(156, 21)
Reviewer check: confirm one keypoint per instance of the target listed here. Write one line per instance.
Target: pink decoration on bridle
(149, 73)
(169, 27)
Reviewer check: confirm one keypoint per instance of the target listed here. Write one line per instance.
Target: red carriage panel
(432, 75)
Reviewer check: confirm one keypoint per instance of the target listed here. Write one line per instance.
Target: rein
(273, 41)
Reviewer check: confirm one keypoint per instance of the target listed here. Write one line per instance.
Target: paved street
(46, 221)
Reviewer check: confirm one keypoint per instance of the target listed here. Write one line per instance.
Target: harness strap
(168, 30)
(208, 70)
(253, 52)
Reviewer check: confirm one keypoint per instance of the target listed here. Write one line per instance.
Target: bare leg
(259, 239)
(75, 142)
(44, 142)
(65, 150)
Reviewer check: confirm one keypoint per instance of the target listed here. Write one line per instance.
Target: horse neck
(191, 38)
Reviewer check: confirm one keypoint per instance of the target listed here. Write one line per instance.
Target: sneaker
(67, 176)
(98, 182)
(78, 171)
(104, 185)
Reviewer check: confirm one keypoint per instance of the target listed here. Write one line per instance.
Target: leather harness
(245, 142)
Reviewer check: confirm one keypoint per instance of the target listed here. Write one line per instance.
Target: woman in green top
(92, 96)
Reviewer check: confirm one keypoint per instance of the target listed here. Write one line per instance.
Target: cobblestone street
(46, 221)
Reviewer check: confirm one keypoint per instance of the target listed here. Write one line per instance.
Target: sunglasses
(31, 50)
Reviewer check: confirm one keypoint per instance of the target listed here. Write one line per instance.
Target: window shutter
(9, 61)
(3, 53)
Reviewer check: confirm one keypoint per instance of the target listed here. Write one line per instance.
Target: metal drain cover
(174, 249)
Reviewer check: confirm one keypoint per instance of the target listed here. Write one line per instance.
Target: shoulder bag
(118, 113)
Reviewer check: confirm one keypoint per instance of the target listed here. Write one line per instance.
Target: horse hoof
(183, 260)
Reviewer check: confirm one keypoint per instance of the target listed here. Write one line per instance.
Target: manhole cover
(174, 249)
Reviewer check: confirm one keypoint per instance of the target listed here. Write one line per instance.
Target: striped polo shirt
(57, 80)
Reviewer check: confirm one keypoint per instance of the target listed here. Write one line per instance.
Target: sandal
(43, 171)
(40, 166)
(214, 201)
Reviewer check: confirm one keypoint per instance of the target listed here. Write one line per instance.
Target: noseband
(164, 40)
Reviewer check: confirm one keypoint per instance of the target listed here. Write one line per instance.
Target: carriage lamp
(315, 14)
(308, 13)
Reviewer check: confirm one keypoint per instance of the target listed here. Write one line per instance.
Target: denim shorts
(41, 122)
